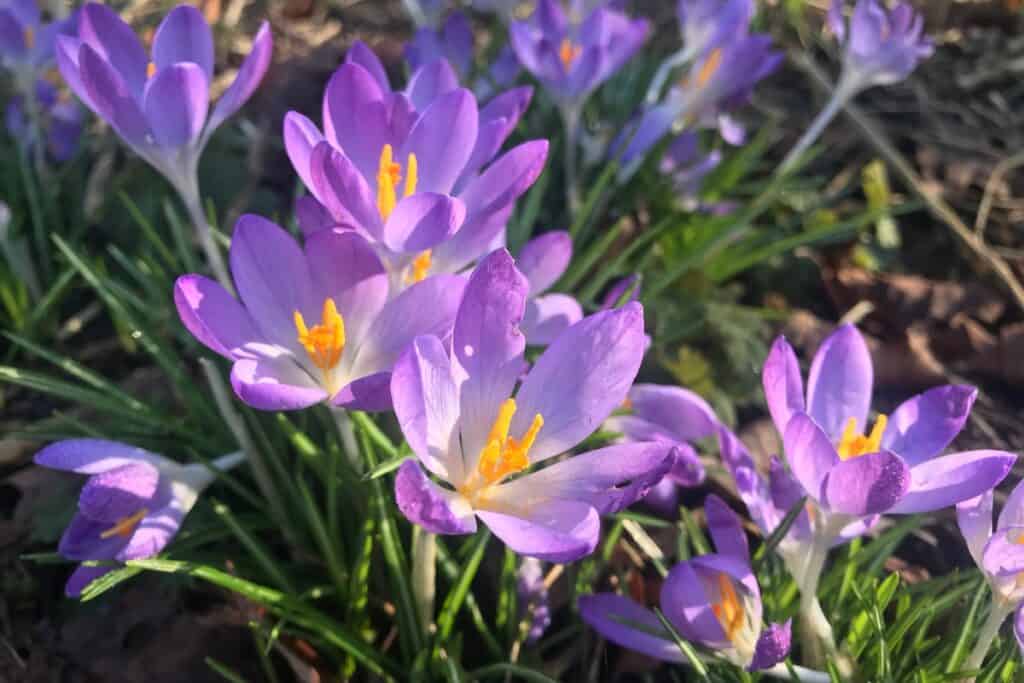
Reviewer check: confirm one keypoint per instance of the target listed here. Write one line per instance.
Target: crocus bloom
(707, 24)
(713, 600)
(542, 261)
(533, 598)
(312, 324)
(999, 553)
(26, 43)
(60, 121)
(131, 506)
(453, 41)
(157, 103)
(403, 168)
(501, 74)
(673, 415)
(879, 47)
(573, 55)
(470, 428)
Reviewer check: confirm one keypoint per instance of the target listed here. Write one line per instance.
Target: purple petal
(663, 498)
(783, 387)
(974, 517)
(809, 452)
(580, 379)
(12, 35)
(725, 528)
(117, 493)
(543, 259)
(82, 577)
(498, 119)
(836, 20)
(772, 647)
(687, 469)
(839, 384)
(608, 479)
(360, 53)
(506, 179)
(946, 481)
(786, 492)
(442, 140)
(83, 540)
(488, 346)
(249, 76)
(865, 485)
(628, 625)
(110, 97)
(213, 316)
(90, 456)
(548, 316)
(184, 36)
(155, 531)
(422, 221)
(353, 117)
(681, 412)
(176, 101)
(274, 384)
(312, 216)
(426, 504)
(371, 393)
(426, 402)
(115, 43)
(924, 425)
(342, 189)
(1003, 555)
(430, 82)
(555, 531)
(687, 605)
(300, 137)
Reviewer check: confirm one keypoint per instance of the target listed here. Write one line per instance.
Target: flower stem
(571, 120)
(841, 94)
(347, 434)
(989, 630)
(189, 192)
(424, 571)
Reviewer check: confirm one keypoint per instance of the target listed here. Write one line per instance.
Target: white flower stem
(347, 434)
(841, 94)
(191, 198)
(424, 572)
(803, 674)
(571, 115)
(989, 630)
(228, 462)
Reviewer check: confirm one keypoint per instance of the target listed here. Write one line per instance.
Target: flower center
(324, 342)
(419, 268)
(30, 38)
(852, 443)
(729, 611)
(568, 52)
(125, 526)
(710, 67)
(504, 455)
(389, 175)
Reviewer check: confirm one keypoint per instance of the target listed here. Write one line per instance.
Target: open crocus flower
(999, 553)
(713, 600)
(673, 415)
(542, 261)
(470, 428)
(157, 103)
(26, 42)
(312, 324)
(131, 506)
(879, 47)
(453, 42)
(573, 55)
(404, 168)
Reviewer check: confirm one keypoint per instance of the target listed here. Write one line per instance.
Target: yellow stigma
(324, 342)
(150, 70)
(729, 611)
(568, 52)
(389, 174)
(125, 526)
(30, 38)
(420, 268)
(710, 66)
(504, 455)
(852, 443)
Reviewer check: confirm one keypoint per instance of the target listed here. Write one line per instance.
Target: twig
(1001, 169)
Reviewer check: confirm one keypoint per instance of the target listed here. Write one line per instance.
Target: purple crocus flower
(460, 418)
(879, 47)
(157, 103)
(707, 24)
(60, 120)
(26, 42)
(687, 165)
(501, 74)
(313, 324)
(712, 600)
(542, 261)
(131, 506)
(533, 598)
(574, 54)
(673, 415)
(404, 168)
(999, 553)
(453, 42)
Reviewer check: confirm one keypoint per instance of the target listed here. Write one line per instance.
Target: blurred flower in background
(533, 598)
(452, 41)
(542, 261)
(60, 122)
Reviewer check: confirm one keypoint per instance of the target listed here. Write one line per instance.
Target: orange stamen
(729, 612)
(324, 342)
(504, 455)
(852, 444)
(125, 526)
(568, 52)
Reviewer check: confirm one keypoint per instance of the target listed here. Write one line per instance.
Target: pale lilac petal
(836, 20)
(110, 97)
(12, 35)
(275, 384)
(608, 479)
(425, 503)
(176, 101)
(498, 119)
(506, 179)
(783, 387)
(865, 485)
(725, 529)
(663, 498)
(687, 605)
(1012, 513)
(943, 482)
(628, 625)
(809, 452)
(249, 76)
(422, 221)
(479, 235)
(82, 577)
(548, 316)
(117, 493)
(555, 531)
(90, 456)
(361, 54)
(184, 36)
(431, 81)
(353, 117)
(213, 316)
(67, 50)
(543, 259)
(371, 393)
(687, 469)
(637, 429)
(680, 411)
(426, 402)
(115, 42)
(300, 137)
(580, 379)
(773, 646)
(156, 530)
(1003, 555)
(924, 425)
(488, 347)
(840, 381)
(342, 189)
(83, 540)
(312, 216)
(974, 517)
(442, 140)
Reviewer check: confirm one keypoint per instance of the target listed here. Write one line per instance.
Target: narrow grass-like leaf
(778, 533)
(691, 655)
(457, 594)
